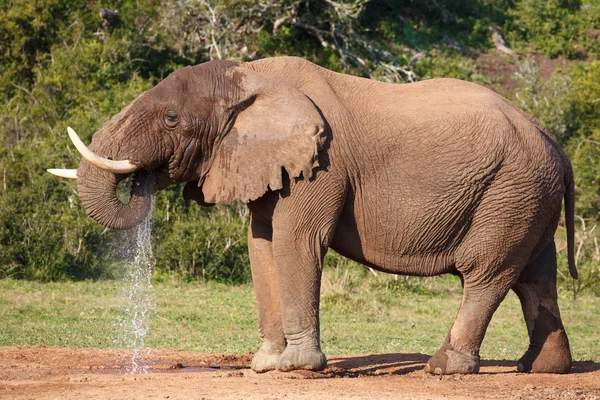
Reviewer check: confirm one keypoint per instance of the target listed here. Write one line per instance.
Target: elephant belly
(411, 238)
(349, 244)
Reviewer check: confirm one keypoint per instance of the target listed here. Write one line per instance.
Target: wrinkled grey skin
(435, 177)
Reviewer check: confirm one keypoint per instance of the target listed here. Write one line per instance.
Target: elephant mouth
(125, 186)
(141, 183)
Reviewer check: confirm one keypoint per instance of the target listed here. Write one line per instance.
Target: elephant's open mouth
(124, 188)
(141, 183)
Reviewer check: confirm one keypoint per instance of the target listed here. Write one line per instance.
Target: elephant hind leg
(459, 354)
(548, 350)
(490, 260)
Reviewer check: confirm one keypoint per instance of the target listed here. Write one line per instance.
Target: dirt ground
(43, 372)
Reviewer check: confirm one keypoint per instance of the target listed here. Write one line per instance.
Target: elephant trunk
(98, 194)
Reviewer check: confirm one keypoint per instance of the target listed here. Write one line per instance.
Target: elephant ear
(277, 127)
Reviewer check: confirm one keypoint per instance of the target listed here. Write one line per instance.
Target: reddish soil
(503, 70)
(42, 372)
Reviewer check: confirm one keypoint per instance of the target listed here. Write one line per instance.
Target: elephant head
(222, 127)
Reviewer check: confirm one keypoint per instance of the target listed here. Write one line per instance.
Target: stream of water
(137, 296)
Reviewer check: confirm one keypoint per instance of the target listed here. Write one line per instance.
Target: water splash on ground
(137, 296)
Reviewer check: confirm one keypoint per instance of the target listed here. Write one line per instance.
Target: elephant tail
(570, 218)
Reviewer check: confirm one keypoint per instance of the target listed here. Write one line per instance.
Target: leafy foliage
(557, 27)
(567, 106)
(61, 64)
(201, 243)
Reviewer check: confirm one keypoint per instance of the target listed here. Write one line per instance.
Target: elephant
(440, 176)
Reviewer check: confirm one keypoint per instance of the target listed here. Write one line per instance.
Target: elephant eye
(171, 119)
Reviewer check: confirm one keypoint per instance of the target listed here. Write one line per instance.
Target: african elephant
(428, 178)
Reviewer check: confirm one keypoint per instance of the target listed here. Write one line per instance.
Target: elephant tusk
(64, 173)
(116, 167)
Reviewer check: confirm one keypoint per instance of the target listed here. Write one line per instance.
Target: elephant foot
(267, 356)
(447, 361)
(296, 357)
(553, 357)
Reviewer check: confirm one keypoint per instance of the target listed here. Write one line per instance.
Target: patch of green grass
(191, 316)
(408, 314)
(360, 313)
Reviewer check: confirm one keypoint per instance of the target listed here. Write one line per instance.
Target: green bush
(60, 66)
(545, 99)
(200, 243)
(82, 78)
(556, 27)
(583, 147)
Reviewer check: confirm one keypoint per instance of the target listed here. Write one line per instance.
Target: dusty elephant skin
(440, 176)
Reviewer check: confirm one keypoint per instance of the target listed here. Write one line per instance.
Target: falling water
(137, 296)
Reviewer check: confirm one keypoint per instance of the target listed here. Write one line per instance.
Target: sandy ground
(43, 372)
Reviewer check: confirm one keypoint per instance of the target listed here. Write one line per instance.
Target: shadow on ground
(405, 363)
(377, 364)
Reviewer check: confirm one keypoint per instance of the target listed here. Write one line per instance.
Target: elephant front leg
(267, 297)
(299, 263)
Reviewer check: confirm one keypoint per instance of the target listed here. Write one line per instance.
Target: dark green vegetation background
(60, 65)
